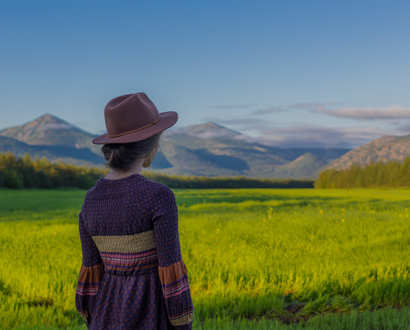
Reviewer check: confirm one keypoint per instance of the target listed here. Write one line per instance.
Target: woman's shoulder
(156, 186)
(163, 191)
(89, 193)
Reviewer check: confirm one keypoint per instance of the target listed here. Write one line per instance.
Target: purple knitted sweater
(132, 274)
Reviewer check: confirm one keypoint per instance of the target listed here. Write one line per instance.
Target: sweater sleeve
(171, 268)
(91, 272)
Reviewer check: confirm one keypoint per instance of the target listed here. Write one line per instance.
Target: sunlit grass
(255, 257)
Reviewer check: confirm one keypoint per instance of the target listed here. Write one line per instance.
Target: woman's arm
(91, 272)
(172, 270)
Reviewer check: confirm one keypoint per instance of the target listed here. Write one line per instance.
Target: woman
(132, 274)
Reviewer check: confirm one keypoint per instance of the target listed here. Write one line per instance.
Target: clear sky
(288, 73)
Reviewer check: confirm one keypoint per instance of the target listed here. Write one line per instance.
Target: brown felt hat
(133, 117)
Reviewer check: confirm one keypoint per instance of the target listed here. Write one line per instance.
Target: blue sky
(286, 73)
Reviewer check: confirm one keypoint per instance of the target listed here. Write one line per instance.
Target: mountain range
(207, 149)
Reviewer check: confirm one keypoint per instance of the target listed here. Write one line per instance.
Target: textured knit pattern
(132, 274)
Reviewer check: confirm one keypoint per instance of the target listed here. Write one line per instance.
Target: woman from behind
(132, 274)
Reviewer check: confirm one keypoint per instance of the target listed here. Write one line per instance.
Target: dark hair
(122, 156)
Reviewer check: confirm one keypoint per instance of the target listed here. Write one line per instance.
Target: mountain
(306, 166)
(383, 149)
(207, 149)
(207, 135)
(49, 130)
(208, 130)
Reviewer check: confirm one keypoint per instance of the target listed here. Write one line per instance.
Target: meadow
(256, 258)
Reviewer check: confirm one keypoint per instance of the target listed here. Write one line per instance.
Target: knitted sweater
(132, 274)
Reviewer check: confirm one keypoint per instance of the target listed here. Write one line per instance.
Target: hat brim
(168, 119)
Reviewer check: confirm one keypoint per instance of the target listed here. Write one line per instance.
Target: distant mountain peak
(48, 130)
(307, 155)
(209, 129)
(307, 158)
(48, 121)
(49, 116)
(211, 123)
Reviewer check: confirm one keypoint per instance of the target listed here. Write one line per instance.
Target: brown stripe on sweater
(172, 273)
(91, 274)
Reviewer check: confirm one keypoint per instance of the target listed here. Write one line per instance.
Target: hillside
(306, 166)
(383, 150)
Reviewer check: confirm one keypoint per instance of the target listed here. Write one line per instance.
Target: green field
(256, 258)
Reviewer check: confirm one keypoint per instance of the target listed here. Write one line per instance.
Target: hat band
(134, 130)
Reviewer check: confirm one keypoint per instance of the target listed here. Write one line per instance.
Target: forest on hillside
(25, 172)
(392, 174)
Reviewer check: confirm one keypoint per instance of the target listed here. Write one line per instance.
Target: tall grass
(256, 258)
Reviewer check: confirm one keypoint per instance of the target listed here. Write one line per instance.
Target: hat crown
(133, 117)
(128, 113)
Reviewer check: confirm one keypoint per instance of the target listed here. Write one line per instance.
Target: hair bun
(121, 157)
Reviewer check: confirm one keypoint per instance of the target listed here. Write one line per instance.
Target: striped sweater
(132, 274)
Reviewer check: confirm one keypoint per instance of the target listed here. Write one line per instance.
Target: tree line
(26, 172)
(392, 174)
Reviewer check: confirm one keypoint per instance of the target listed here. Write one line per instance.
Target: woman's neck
(136, 169)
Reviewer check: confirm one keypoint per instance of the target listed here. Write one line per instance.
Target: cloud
(403, 129)
(313, 106)
(304, 136)
(273, 109)
(320, 137)
(392, 112)
(307, 106)
(231, 106)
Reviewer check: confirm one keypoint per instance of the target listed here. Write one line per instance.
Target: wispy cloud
(273, 109)
(403, 129)
(312, 106)
(231, 106)
(307, 106)
(317, 136)
(312, 134)
(392, 112)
